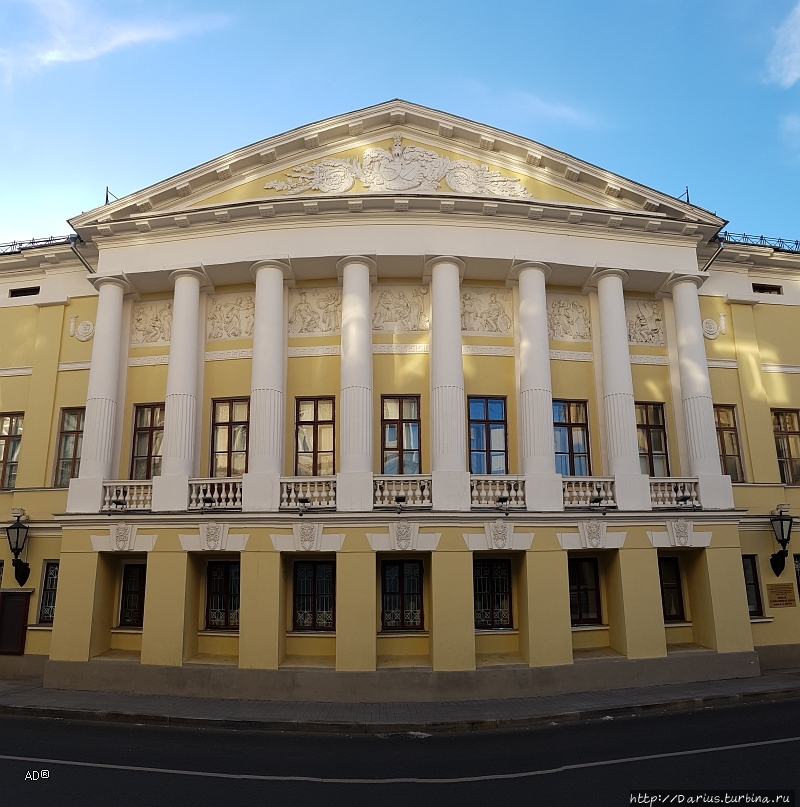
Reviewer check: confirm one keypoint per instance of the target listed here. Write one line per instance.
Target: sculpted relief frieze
(645, 322)
(486, 311)
(400, 309)
(404, 168)
(568, 318)
(151, 323)
(230, 316)
(315, 312)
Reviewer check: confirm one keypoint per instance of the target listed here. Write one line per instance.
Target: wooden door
(13, 622)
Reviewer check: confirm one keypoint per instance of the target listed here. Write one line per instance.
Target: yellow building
(397, 405)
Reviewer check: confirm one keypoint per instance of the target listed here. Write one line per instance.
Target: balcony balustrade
(120, 496)
(493, 491)
(215, 494)
(674, 494)
(308, 493)
(402, 491)
(589, 491)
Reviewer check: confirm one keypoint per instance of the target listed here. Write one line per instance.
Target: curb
(432, 727)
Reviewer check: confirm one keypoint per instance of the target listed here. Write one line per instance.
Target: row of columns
(451, 480)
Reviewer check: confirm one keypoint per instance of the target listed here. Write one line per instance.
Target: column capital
(599, 272)
(674, 279)
(189, 271)
(110, 280)
(364, 260)
(437, 259)
(274, 263)
(518, 268)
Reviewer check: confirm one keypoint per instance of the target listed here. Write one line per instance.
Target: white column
(632, 488)
(543, 488)
(451, 480)
(171, 489)
(261, 485)
(354, 479)
(86, 492)
(698, 409)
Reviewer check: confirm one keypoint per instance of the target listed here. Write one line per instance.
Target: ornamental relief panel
(645, 322)
(151, 323)
(400, 309)
(403, 168)
(230, 316)
(568, 318)
(315, 312)
(486, 311)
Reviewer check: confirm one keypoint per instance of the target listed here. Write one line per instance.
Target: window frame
(647, 429)
(75, 462)
(493, 561)
(213, 453)
(569, 426)
(313, 628)
(228, 626)
(580, 621)
(143, 590)
(400, 423)
(46, 589)
(402, 627)
(1, 574)
(756, 585)
(681, 616)
(316, 422)
(792, 478)
(487, 422)
(6, 440)
(151, 430)
(721, 431)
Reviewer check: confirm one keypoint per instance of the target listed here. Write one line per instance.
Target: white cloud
(784, 60)
(77, 31)
(790, 129)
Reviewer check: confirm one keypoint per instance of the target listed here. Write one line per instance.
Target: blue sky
(670, 93)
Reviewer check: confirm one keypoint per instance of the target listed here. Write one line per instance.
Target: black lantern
(17, 536)
(782, 527)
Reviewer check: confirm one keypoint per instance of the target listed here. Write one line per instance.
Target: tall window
(488, 447)
(314, 595)
(148, 434)
(10, 438)
(786, 425)
(70, 438)
(750, 563)
(669, 570)
(584, 591)
(400, 429)
(492, 591)
(229, 436)
(131, 610)
(47, 610)
(314, 437)
(652, 432)
(402, 595)
(222, 595)
(730, 456)
(571, 433)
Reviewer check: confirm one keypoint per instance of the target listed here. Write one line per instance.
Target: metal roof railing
(52, 241)
(760, 241)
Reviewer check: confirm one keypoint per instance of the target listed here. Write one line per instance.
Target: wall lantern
(17, 533)
(781, 523)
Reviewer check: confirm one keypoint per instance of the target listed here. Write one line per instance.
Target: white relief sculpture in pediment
(568, 319)
(486, 310)
(151, 323)
(404, 168)
(315, 312)
(400, 309)
(230, 316)
(645, 322)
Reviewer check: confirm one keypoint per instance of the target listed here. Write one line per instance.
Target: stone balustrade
(402, 491)
(308, 493)
(493, 491)
(674, 493)
(124, 495)
(215, 494)
(589, 491)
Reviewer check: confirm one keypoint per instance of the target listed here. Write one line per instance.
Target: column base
(715, 492)
(170, 494)
(451, 490)
(544, 493)
(633, 492)
(354, 492)
(261, 493)
(85, 495)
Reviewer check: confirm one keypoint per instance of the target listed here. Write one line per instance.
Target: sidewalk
(29, 699)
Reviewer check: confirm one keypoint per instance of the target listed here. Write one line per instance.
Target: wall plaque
(780, 595)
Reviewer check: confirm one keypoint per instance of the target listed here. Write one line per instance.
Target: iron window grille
(148, 435)
(70, 440)
(222, 587)
(571, 437)
(488, 435)
(652, 433)
(786, 426)
(229, 436)
(751, 584)
(314, 437)
(314, 590)
(400, 434)
(131, 610)
(47, 608)
(492, 592)
(584, 591)
(402, 595)
(730, 454)
(669, 572)
(10, 439)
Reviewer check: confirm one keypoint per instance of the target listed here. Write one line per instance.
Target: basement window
(766, 288)
(27, 291)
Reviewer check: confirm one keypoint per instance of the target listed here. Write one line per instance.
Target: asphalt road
(754, 746)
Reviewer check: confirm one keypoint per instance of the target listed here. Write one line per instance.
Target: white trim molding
(498, 535)
(486, 350)
(123, 537)
(74, 365)
(148, 361)
(320, 350)
(723, 364)
(679, 533)
(214, 537)
(592, 534)
(646, 358)
(571, 355)
(10, 371)
(403, 536)
(307, 537)
(224, 355)
(382, 347)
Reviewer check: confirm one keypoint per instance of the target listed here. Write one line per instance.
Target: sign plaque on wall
(780, 595)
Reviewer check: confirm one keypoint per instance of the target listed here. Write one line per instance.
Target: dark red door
(13, 622)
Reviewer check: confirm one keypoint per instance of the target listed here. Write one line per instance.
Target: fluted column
(171, 489)
(632, 488)
(543, 490)
(698, 408)
(451, 489)
(261, 484)
(86, 492)
(354, 479)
